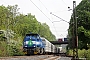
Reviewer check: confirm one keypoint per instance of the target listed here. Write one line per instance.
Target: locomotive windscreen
(33, 35)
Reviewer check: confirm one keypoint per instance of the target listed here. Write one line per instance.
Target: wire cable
(44, 6)
(55, 29)
(40, 10)
(64, 3)
(56, 16)
(48, 17)
(59, 17)
(52, 22)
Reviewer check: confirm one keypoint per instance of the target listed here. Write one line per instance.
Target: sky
(42, 9)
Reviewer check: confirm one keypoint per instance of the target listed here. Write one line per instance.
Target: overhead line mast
(75, 37)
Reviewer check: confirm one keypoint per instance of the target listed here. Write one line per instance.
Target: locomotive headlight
(26, 42)
(25, 46)
(34, 46)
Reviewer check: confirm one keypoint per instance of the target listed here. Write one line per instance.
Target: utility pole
(75, 37)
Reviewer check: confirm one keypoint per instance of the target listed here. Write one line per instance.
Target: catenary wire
(64, 3)
(59, 17)
(54, 14)
(46, 16)
(49, 12)
(40, 10)
(44, 6)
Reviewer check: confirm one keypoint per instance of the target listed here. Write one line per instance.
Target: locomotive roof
(32, 34)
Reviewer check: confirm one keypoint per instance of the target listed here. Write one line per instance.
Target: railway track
(35, 57)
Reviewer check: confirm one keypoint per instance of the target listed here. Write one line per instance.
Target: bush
(15, 47)
(3, 48)
(70, 52)
(81, 53)
(11, 48)
(88, 54)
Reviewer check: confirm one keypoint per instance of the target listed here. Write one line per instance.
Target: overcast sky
(42, 8)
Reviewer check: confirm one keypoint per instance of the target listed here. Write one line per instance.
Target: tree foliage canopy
(83, 24)
(22, 24)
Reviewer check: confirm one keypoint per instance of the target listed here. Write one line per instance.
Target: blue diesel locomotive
(32, 44)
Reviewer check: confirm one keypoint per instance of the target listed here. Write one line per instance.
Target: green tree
(13, 12)
(3, 17)
(83, 23)
(45, 32)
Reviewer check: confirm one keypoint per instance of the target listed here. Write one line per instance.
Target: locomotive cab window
(33, 35)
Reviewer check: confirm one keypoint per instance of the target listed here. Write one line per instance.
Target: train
(33, 43)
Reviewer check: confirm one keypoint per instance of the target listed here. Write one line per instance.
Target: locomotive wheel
(41, 51)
